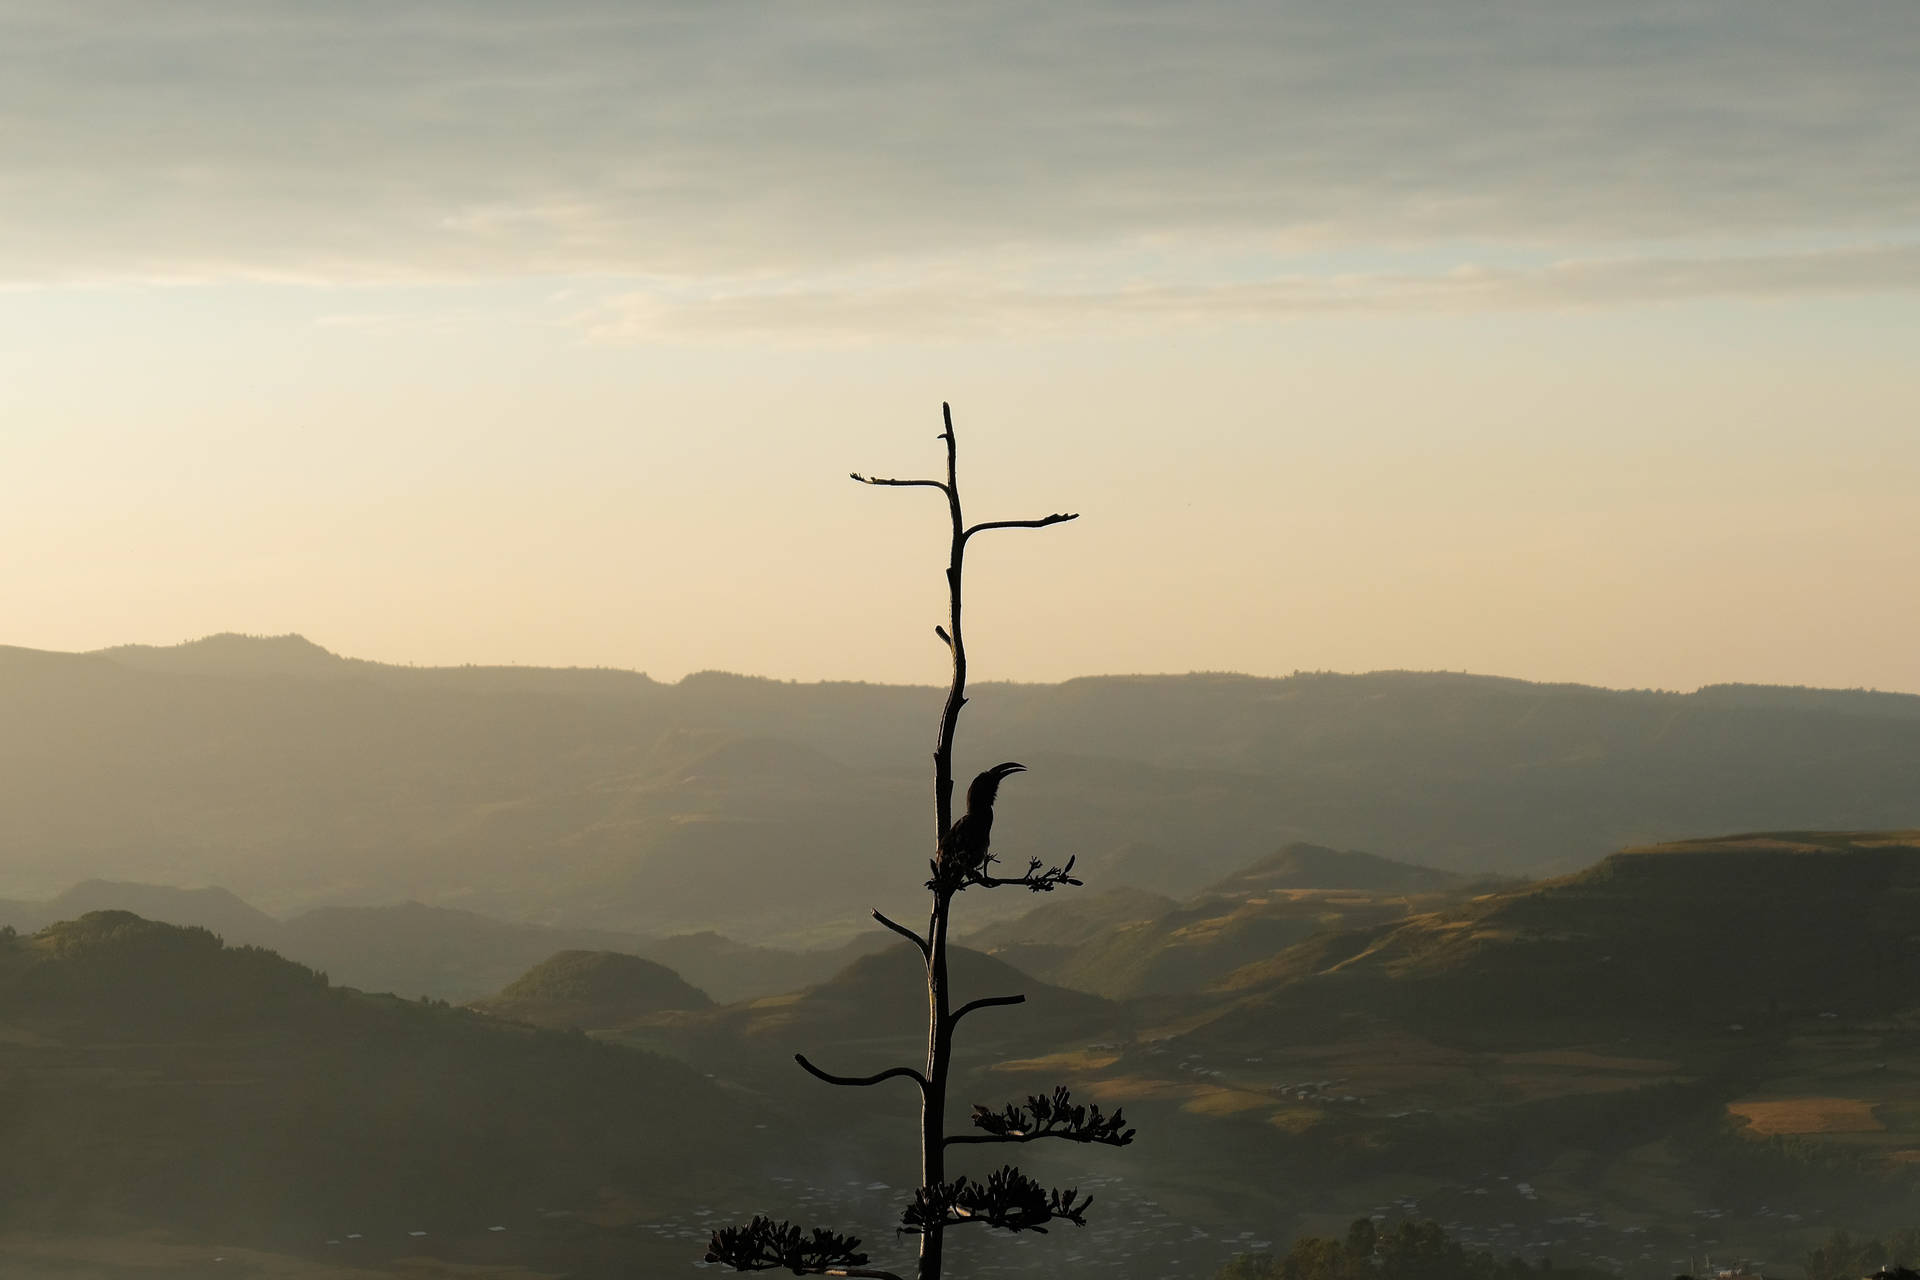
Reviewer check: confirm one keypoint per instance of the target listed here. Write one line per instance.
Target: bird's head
(987, 785)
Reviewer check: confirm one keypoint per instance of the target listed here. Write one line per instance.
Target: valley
(1577, 1068)
(558, 986)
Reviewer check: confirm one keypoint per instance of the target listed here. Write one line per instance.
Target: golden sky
(1564, 342)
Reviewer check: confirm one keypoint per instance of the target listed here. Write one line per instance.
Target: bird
(963, 852)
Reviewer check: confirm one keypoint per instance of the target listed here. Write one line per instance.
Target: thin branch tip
(1058, 517)
(985, 1002)
(860, 1082)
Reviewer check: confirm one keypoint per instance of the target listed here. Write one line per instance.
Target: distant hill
(443, 952)
(1126, 943)
(1723, 1029)
(592, 989)
(232, 654)
(439, 951)
(1067, 920)
(873, 1014)
(154, 1076)
(1311, 866)
(730, 971)
(1739, 929)
(603, 800)
(210, 908)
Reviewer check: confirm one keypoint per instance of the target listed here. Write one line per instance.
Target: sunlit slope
(1126, 943)
(1737, 930)
(1681, 1032)
(1310, 866)
(152, 1075)
(604, 799)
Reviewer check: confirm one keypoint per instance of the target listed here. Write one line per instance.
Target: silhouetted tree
(962, 859)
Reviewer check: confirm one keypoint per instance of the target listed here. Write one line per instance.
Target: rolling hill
(608, 801)
(153, 1075)
(1697, 1045)
(1126, 943)
(882, 997)
(415, 950)
(1741, 929)
(589, 990)
(1311, 866)
(1692, 1045)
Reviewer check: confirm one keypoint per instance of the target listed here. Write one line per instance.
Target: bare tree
(962, 859)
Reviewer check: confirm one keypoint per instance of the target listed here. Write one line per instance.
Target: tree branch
(852, 1082)
(904, 932)
(906, 484)
(1008, 1199)
(1035, 879)
(1049, 1117)
(1041, 523)
(986, 1002)
(766, 1245)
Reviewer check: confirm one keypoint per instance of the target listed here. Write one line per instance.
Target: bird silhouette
(963, 853)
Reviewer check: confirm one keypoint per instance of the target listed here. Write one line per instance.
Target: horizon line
(109, 651)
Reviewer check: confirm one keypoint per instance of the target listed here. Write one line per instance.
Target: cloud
(466, 139)
(950, 308)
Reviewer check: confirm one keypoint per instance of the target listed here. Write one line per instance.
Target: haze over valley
(1203, 641)
(681, 871)
(779, 812)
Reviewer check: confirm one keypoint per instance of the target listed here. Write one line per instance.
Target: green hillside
(212, 908)
(592, 989)
(1707, 1045)
(1672, 1050)
(1738, 929)
(154, 1076)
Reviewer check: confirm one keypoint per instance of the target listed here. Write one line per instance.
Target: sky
(1562, 341)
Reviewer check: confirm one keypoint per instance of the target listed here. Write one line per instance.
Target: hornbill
(963, 853)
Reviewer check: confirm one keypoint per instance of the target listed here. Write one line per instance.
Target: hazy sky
(1567, 341)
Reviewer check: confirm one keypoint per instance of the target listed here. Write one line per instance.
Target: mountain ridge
(553, 793)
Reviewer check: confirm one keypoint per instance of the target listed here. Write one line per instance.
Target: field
(1804, 1115)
